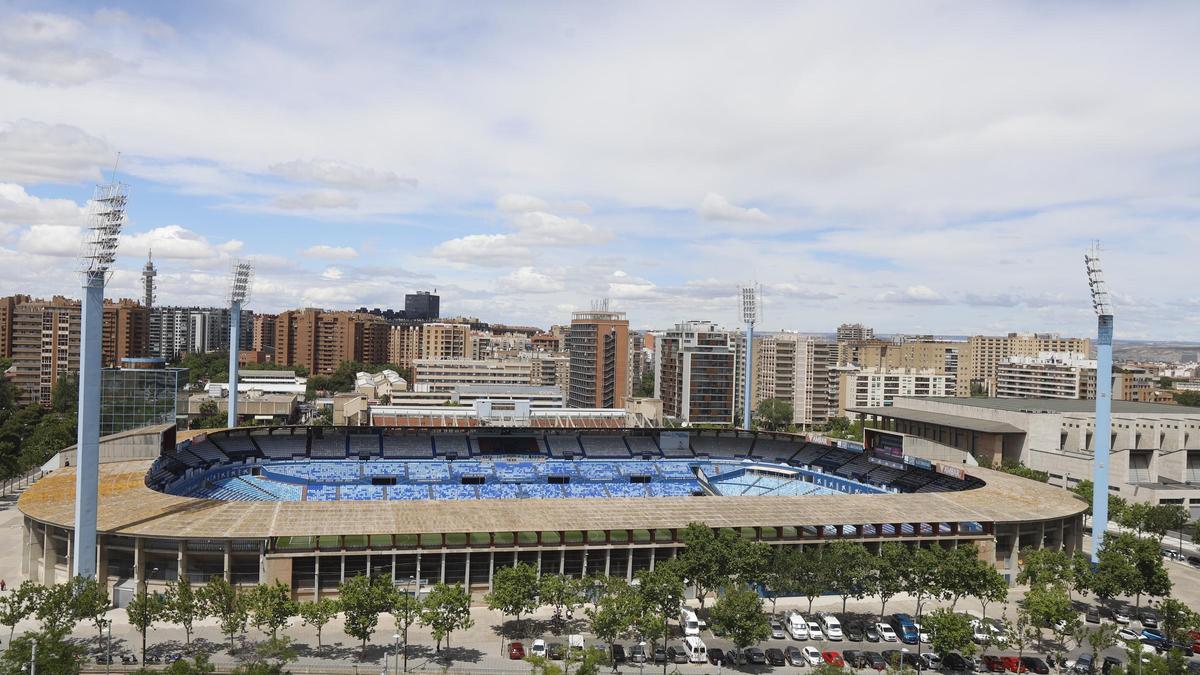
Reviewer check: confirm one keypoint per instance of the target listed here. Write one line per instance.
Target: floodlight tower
(239, 292)
(1102, 304)
(105, 218)
(750, 298)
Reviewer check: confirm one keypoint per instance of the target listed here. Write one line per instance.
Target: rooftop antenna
(1102, 304)
(105, 218)
(241, 278)
(751, 297)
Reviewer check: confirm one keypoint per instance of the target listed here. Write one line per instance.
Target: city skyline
(855, 160)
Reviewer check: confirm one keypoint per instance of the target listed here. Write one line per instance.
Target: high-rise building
(849, 332)
(422, 306)
(641, 360)
(879, 387)
(262, 333)
(924, 354)
(404, 344)
(446, 341)
(694, 373)
(175, 331)
(598, 343)
(978, 364)
(8, 306)
(551, 370)
(45, 341)
(799, 369)
(321, 341)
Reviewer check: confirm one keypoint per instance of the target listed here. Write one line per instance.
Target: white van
(696, 651)
(688, 622)
(796, 626)
(832, 627)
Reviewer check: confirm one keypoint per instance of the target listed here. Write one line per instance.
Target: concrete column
(607, 560)
(47, 557)
(583, 570)
(139, 565)
(182, 562)
(393, 568)
(71, 557)
(342, 563)
(653, 551)
(491, 568)
(629, 564)
(562, 560)
(102, 566)
(418, 572)
(442, 578)
(228, 561)
(316, 578)
(467, 572)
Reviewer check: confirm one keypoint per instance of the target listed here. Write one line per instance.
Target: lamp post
(108, 650)
(239, 293)
(396, 650)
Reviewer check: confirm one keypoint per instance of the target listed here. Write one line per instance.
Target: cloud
(915, 295)
(534, 230)
(18, 207)
(61, 241)
(33, 152)
(175, 242)
(538, 228)
(529, 280)
(483, 249)
(716, 207)
(326, 252)
(315, 200)
(339, 174)
(43, 48)
(332, 274)
(514, 203)
(796, 292)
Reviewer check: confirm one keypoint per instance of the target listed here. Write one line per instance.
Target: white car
(923, 635)
(812, 656)
(932, 661)
(797, 626)
(885, 632)
(538, 648)
(833, 627)
(985, 632)
(814, 631)
(1122, 616)
(777, 630)
(1129, 635)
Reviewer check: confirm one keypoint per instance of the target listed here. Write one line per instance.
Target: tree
(210, 417)
(1101, 638)
(615, 612)
(812, 577)
(850, 569)
(64, 395)
(1116, 505)
(56, 653)
(183, 606)
(56, 609)
(705, 562)
(1163, 518)
(739, 613)
(1044, 566)
(889, 570)
(661, 590)
(1177, 619)
(223, 602)
(406, 610)
(962, 571)
(317, 613)
(446, 609)
(143, 610)
(991, 588)
(271, 606)
(1133, 516)
(1190, 398)
(951, 632)
(18, 605)
(363, 598)
(775, 413)
(562, 594)
(923, 579)
(1048, 607)
(514, 591)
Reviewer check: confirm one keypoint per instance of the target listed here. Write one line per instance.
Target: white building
(432, 375)
(880, 386)
(265, 381)
(1047, 375)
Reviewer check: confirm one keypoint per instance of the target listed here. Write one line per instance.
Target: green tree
(271, 607)
(1133, 516)
(143, 611)
(64, 395)
(446, 609)
(1116, 505)
(514, 591)
(811, 576)
(56, 653)
(661, 590)
(890, 569)
(645, 386)
(739, 612)
(1177, 619)
(1163, 518)
(198, 665)
(210, 417)
(1044, 566)
(850, 569)
(363, 599)
(183, 606)
(615, 612)
(1190, 398)
(705, 563)
(951, 632)
(991, 587)
(561, 593)
(223, 602)
(1047, 607)
(56, 609)
(317, 613)
(1101, 638)
(924, 577)
(774, 413)
(19, 604)
(90, 602)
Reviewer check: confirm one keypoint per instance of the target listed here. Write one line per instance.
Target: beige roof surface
(127, 506)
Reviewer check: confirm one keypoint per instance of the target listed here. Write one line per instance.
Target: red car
(516, 651)
(1013, 664)
(993, 664)
(833, 659)
(1195, 638)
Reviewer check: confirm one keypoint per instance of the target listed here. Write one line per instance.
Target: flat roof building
(694, 373)
(598, 343)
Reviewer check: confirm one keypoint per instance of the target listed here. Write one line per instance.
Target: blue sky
(921, 167)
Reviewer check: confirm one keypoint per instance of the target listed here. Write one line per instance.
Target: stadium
(312, 506)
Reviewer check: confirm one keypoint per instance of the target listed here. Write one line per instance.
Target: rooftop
(1063, 405)
(939, 418)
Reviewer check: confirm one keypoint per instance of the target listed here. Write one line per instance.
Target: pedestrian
(3, 586)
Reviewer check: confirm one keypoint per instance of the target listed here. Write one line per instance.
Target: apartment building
(551, 370)
(404, 344)
(854, 332)
(175, 331)
(694, 373)
(321, 341)
(262, 333)
(1071, 376)
(46, 336)
(598, 343)
(939, 356)
(980, 363)
(799, 369)
(641, 360)
(432, 375)
(881, 386)
(8, 306)
(446, 341)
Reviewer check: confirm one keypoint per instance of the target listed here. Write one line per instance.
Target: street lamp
(108, 649)
(396, 651)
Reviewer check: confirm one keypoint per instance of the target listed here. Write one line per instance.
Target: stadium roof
(1062, 405)
(942, 419)
(127, 506)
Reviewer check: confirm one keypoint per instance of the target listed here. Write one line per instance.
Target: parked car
(1092, 615)
(660, 654)
(1148, 618)
(875, 660)
(794, 656)
(871, 632)
(812, 656)
(814, 631)
(555, 651)
(1128, 635)
(854, 658)
(1083, 664)
(716, 656)
(932, 661)
(775, 657)
(955, 662)
(777, 630)
(1153, 637)
(755, 656)
(993, 664)
(1185, 647)
(833, 658)
(1035, 665)
(618, 653)
(1013, 664)
(676, 655)
(1194, 561)
(538, 648)
(637, 653)
(1110, 662)
(1122, 616)
(885, 632)
(854, 632)
(516, 651)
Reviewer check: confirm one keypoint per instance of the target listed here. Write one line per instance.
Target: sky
(921, 167)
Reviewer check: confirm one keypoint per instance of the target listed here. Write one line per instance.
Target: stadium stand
(330, 445)
(408, 492)
(445, 445)
(604, 447)
(721, 446)
(321, 493)
(562, 445)
(407, 447)
(236, 446)
(643, 445)
(809, 453)
(362, 492)
(364, 444)
(774, 449)
(454, 492)
(626, 489)
(542, 491)
(283, 445)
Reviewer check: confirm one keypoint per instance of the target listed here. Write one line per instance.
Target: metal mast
(239, 292)
(1102, 304)
(105, 218)
(148, 284)
(750, 298)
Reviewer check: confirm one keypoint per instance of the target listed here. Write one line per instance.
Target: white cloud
(326, 252)
(33, 152)
(538, 228)
(315, 200)
(916, 295)
(716, 207)
(515, 203)
(529, 280)
(332, 274)
(18, 207)
(62, 241)
(482, 249)
(341, 175)
(176, 242)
